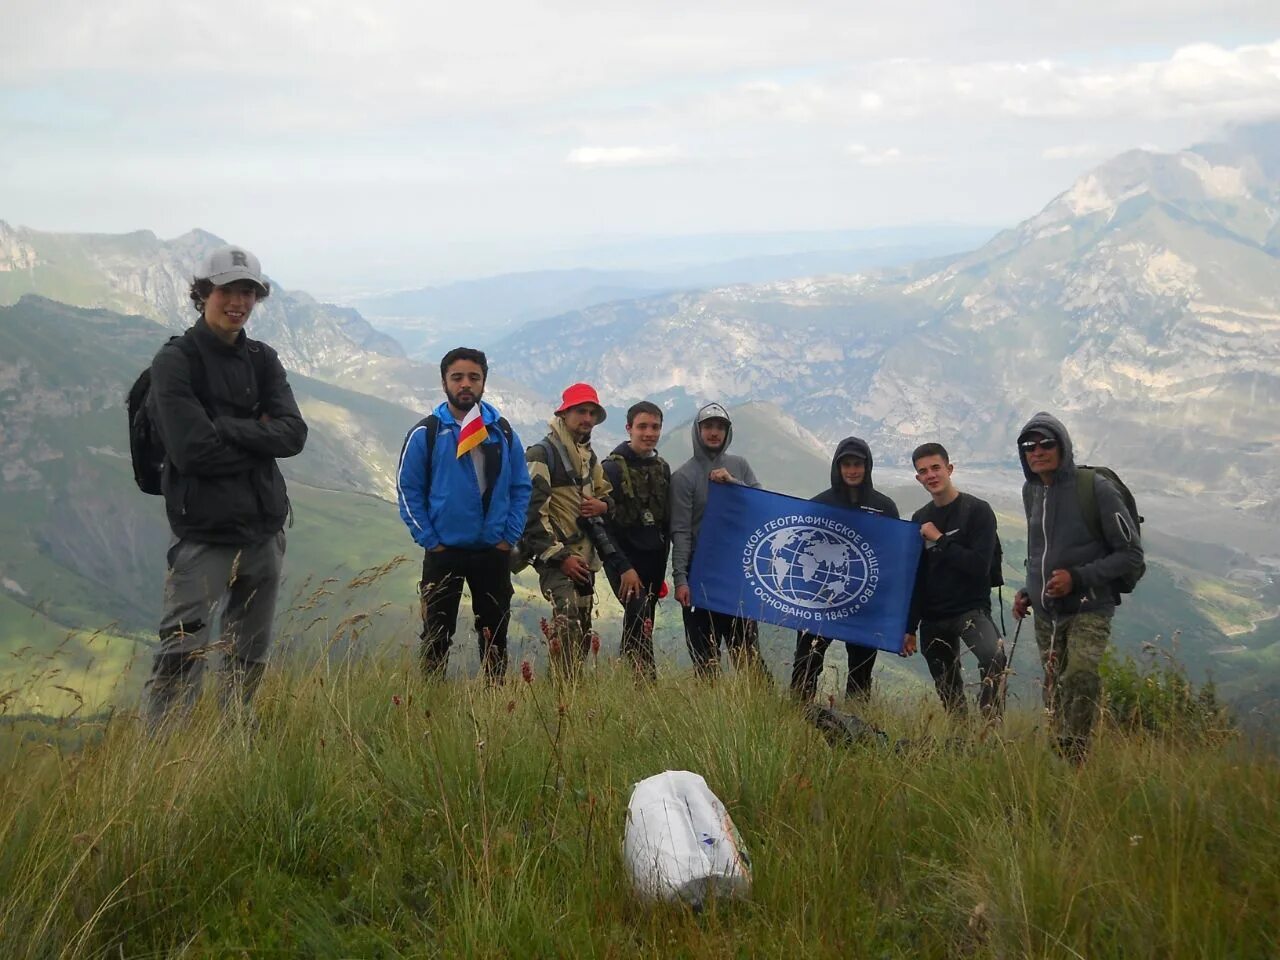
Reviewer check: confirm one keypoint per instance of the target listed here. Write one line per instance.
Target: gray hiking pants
(243, 582)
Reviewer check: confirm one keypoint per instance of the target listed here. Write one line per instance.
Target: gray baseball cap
(713, 411)
(229, 264)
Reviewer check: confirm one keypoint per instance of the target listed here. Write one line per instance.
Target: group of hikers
(482, 506)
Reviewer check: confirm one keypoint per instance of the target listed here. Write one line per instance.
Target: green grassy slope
(374, 816)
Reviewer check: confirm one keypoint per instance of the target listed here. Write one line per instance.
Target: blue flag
(840, 573)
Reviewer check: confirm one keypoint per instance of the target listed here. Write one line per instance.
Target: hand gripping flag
(472, 432)
(840, 573)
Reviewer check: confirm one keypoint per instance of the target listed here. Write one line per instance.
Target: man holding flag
(463, 489)
(706, 625)
(821, 568)
(851, 487)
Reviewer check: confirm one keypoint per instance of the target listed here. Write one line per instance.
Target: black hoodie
(865, 496)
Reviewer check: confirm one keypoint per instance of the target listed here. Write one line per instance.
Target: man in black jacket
(851, 486)
(952, 600)
(640, 528)
(223, 407)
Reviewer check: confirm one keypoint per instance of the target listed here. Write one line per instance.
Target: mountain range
(1142, 305)
(429, 319)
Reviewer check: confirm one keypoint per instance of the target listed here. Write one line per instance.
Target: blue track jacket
(446, 508)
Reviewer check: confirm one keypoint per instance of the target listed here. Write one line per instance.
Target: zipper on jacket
(1044, 553)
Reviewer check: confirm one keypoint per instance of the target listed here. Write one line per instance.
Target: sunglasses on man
(1040, 443)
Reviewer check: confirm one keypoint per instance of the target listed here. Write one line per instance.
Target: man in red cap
(565, 533)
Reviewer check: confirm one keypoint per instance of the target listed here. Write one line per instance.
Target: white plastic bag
(681, 842)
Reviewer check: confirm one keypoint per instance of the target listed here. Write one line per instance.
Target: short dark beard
(458, 405)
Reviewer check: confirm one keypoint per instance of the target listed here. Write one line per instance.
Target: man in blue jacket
(466, 511)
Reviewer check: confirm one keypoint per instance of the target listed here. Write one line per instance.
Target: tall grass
(374, 815)
(368, 813)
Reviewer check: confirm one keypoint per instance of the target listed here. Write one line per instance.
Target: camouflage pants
(571, 602)
(1071, 650)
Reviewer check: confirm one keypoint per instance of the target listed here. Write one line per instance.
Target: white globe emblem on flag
(822, 567)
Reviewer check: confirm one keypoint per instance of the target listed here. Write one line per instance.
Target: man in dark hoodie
(952, 600)
(224, 409)
(640, 527)
(710, 463)
(1070, 575)
(851, 487)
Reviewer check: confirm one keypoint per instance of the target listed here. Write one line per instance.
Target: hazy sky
(375, 144)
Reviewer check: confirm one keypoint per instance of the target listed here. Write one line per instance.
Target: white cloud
(1201, 80)
(625, 156)
(1071, 151)
(874, 158)
(381, 121)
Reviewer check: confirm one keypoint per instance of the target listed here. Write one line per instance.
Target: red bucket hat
(581, 393)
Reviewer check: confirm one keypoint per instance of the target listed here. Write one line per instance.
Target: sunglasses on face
(1042, 443)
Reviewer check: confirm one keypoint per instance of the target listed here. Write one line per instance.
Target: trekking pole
(1008, 664)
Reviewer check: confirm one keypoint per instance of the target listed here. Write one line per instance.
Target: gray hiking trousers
(243, 582)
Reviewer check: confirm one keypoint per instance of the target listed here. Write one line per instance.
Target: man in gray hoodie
(710, 463)
(1071, 574)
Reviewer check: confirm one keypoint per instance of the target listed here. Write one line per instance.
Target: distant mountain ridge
(489, 308)
(1142, 304)
(138, 273)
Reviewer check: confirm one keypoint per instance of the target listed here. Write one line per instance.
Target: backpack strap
(186, 344)
(551, 443)
(258, 362)
(493, 454)
(554, 451)
(432, 423)
(1086, 483)
(966, 511)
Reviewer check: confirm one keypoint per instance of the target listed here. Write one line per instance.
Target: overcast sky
(363, 145)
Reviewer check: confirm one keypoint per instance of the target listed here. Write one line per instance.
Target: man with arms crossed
(223, 407)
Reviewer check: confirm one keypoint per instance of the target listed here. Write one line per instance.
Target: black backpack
(146, 449)
(995, 572)
(1086, 481)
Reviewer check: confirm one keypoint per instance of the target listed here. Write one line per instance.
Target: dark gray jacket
(220, 480)
(689, 497)
(1059, 538)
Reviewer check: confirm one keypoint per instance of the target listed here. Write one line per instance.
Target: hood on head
(711, 411)
(1047, 423)
(858, 447)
